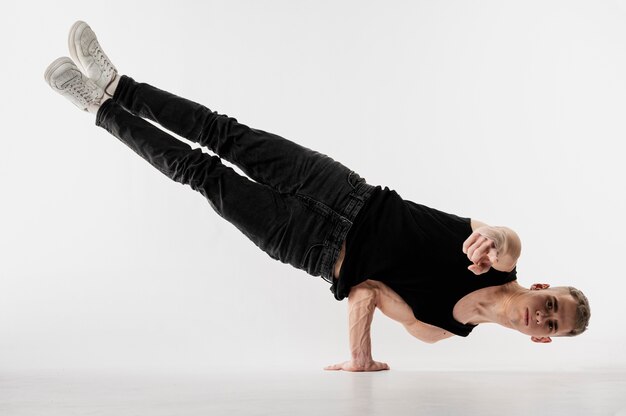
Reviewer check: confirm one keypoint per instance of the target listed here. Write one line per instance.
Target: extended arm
(363, 300)
(361, 306)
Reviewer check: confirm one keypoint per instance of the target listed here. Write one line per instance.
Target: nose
(541, 316)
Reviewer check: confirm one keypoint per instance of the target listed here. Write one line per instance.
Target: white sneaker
(88, 55)
(65, 78)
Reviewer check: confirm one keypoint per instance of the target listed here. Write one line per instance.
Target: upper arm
(427, 333)
(394, 307)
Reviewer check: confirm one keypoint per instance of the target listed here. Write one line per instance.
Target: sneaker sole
(54, 66)
(71, 43)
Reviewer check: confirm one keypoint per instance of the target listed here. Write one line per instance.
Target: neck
(492, 304)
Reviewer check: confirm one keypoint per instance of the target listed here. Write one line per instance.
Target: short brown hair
(581, 320)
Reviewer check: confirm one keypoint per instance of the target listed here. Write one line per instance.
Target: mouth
(526, 317)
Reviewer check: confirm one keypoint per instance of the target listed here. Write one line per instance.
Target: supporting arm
(361, 306)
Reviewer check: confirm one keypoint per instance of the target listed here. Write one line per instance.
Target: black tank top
(417, 252)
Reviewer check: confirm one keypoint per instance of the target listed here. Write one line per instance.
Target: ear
(541, 340)
(539, 286)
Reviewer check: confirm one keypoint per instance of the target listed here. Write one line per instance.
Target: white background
(508, 112)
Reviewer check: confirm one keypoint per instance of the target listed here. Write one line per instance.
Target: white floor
(314, 393)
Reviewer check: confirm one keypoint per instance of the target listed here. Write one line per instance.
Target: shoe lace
(80, 91)
(103, 60)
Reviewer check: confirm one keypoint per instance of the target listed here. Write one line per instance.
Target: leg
(265, 157)
(281, 225)
(301, 211)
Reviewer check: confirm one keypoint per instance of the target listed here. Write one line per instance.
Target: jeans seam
(318, 206)
(357, 200)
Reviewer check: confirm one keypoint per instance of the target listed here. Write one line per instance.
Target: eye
(549, 305)
(550, 325)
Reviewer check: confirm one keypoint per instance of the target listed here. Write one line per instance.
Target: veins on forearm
(360, 320)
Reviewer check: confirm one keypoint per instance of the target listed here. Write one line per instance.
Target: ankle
(110, 89)
(93, 109)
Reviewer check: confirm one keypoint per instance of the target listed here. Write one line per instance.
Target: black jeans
(300, 204)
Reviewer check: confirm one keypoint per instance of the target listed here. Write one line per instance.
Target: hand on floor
(354, 366)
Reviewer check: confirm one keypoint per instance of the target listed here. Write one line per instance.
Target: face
(543, 312)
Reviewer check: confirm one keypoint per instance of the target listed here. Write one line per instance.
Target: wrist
(361, 365)
(362, 359)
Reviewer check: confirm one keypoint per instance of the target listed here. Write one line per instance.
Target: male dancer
(416, 264)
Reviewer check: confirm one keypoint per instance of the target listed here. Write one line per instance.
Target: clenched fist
(483, 248)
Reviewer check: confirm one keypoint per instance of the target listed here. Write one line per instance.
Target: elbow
(363, 295)
(436, 338)
(424, 338)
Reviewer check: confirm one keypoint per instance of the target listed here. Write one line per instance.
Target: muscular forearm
(361, 307)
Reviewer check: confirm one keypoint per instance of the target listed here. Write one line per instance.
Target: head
(544, 312)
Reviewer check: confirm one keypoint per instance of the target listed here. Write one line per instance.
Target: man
(541, 312)
(416, 264)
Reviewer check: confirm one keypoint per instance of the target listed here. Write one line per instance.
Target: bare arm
(393, 306)
(363, 300)
(361, 307)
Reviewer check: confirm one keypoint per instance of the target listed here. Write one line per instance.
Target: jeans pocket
(311, 262)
